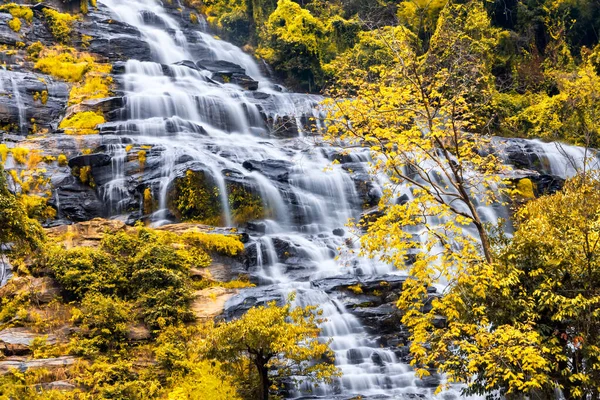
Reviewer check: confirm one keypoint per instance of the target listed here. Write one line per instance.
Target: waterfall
(188, 120)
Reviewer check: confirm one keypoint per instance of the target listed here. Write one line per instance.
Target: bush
(60, 24)
(82, 123)
(83, 269)
(103, 321)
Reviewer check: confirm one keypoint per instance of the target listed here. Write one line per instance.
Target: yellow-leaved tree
(425, 119)
(280, 342)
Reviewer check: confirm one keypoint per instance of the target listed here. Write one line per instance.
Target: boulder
(228, 72)
(23, 364)
(44, 289)
(86, 233)
(278, 170)
(90, 160)
(17, 341)
(76, 201)
(210, 303)
(21, 100)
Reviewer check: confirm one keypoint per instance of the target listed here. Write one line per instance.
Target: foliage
(82, 123)
(193, 199)
(65, 63)
(103, 321)
(60, 24)
(419, 117)
(15, 24)
(527, 323)
(205, 381)
(281, 342)
(18, 11)
(196, 198)
(571, 115)
(17, 226)
(298, 42)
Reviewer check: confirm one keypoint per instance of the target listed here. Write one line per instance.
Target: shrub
(82, 123)
(83, 269)
(64, 63)
(60, 24)
(103, 321)
(15, 24)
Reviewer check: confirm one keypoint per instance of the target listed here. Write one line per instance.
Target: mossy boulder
(195, 197)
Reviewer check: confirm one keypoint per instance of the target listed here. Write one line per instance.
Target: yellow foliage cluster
(15, 24)
(82, 123)
(60, 24)
(62, 160)
(18, 11)
(65, 63)
(92, 81)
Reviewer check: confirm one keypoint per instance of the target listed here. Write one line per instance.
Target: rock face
(21, 100)
(23, 364)
(228, 72)
(210, 303)
(17, 341)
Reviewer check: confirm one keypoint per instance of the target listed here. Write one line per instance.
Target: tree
(281, 342)
(425, 119)
(549, 278)
(573, 114)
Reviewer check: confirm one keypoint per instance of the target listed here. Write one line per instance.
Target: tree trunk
(263, 373)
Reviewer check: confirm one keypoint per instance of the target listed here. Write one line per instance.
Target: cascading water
(184, 119)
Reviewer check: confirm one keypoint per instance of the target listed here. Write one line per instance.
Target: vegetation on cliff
(124, 300)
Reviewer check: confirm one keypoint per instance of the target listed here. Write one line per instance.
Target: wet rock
(220, 66)
(431, 381)
(7, 35)
(283, 126)
(76, 201)
(90, 160)
(20, 101)
(354, 356)
(382, 319)
(546, 184)
(227, 72)
(239, 304)
(5, 271)
(109, 106)
(151, 18)
(256, 226)
(278, 170)
(376, 358)
(188, 63)
(114, 40)
(339, 232)
(388, 282)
